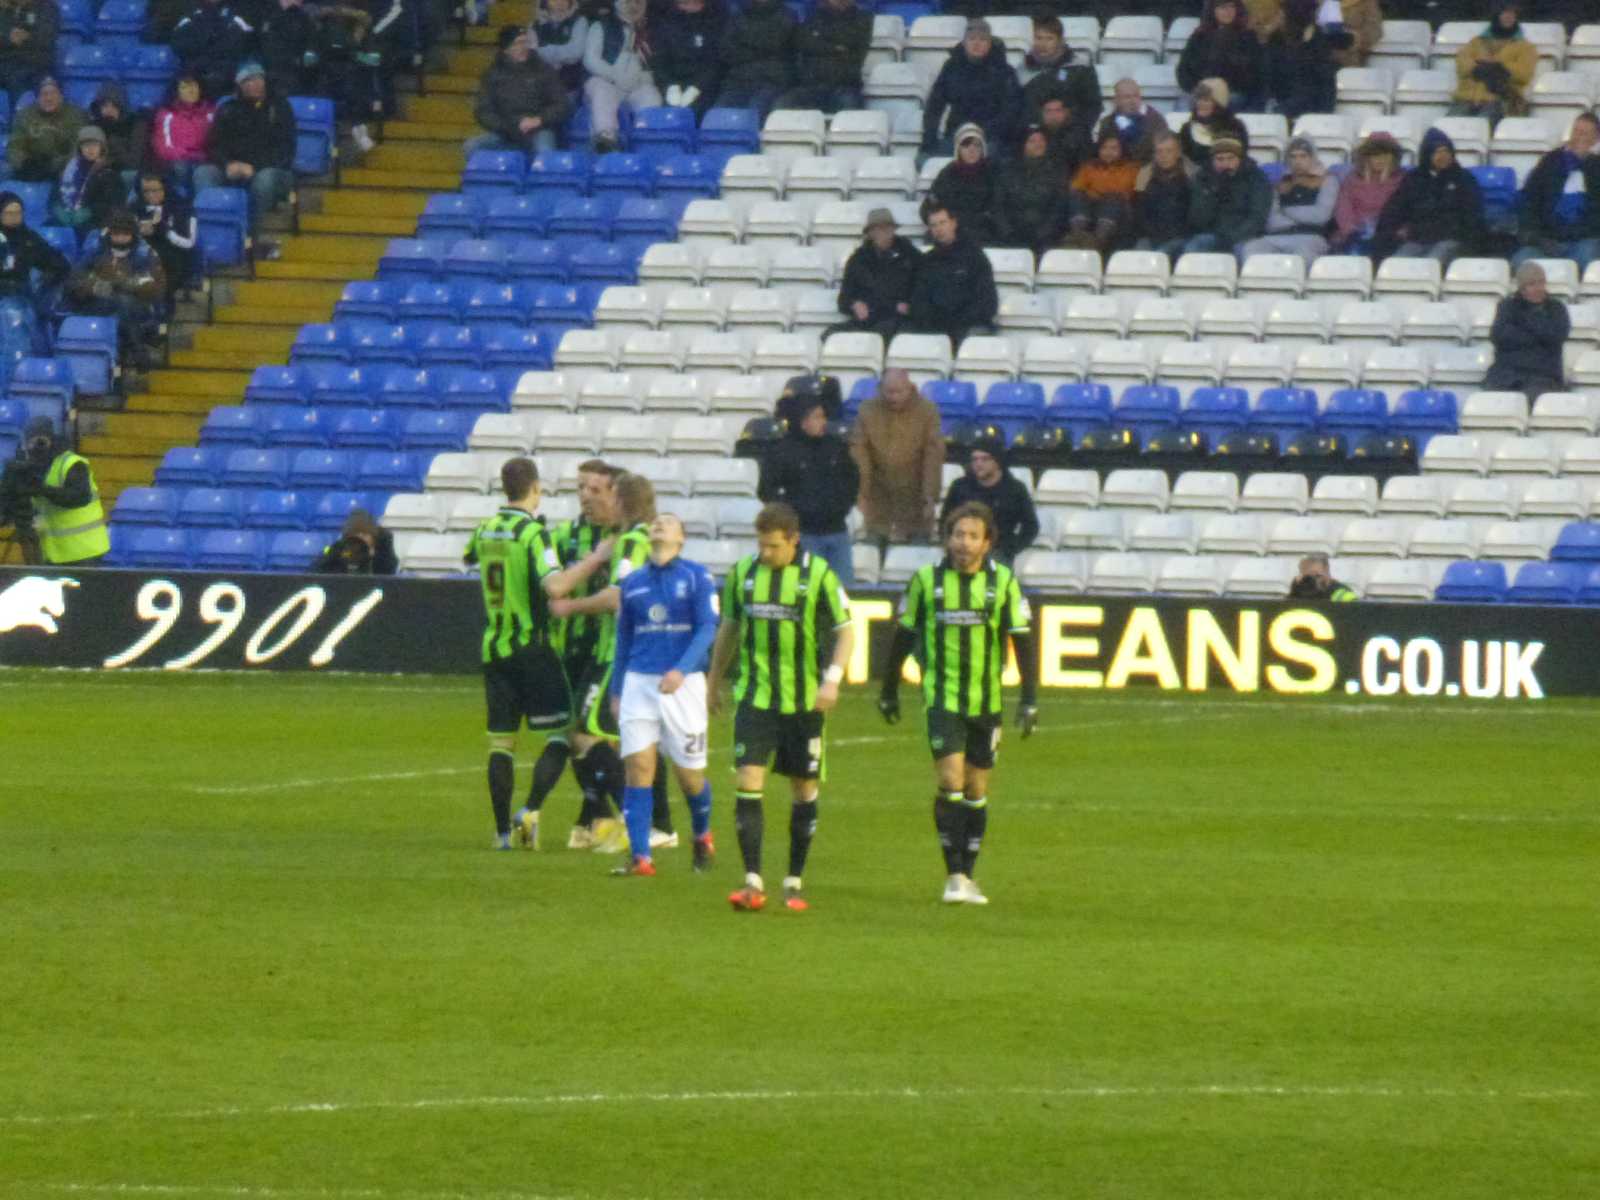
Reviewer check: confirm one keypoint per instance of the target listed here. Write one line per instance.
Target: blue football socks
(636, 805)
(700, 811)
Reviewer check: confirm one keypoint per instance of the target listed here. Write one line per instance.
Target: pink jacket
(179, 132)
(1360, 201)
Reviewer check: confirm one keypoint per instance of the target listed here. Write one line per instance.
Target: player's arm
(622, 649)
(1019, 616)
(470, 554)
(722, 650)
(844, 642)
(607, 600)
(560, 584)
(705, 626)
(905, 638)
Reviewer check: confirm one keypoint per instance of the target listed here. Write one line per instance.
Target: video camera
(21, 479)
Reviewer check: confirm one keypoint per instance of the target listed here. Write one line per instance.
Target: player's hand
(889, 707)
(1027, 719)
(714, 698)
(616, 708)
(561, 608)
(671, 682)
(827, 696)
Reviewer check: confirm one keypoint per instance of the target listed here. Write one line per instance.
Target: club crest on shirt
(658, 613)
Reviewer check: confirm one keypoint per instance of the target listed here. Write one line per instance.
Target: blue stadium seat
(372, 299)
(293, 550)
(697, 174)
(89, 344)
(451, 214)
(583, 219)
(222, 215)
(1148, 408)
(296, 425)
(214, 508)
(1547, 583)
(230, 550)
(338, 383)
(477, 258)
(378, 343)
(1473, 583)
(626, 173)
(280, 385)
(120, 22)
(45, 377)
(316, 136)
(13, 416)
(733, 129)
(1499, 188)
(93, 63)
(664, 129)
(512, 302)
(155, 548)
(235, 425)
(1579, 542)
(81, 92)
(185, 466)
(410, 259)
(431, 302)
(391, 471)
(274, 508)
(528, 348)
(1079, 407)
(368, 428)
(1284, 412)
(77, 18)
(407, 387)
(320, 342)
(605, 262)
(559, 304)
(331, 509)
(1355, 412)
(320, 469)
(860, 392)
(557, 174)
(494, 171)
(150, 64)
(580, 126)
(35, 199)
(443, 345)
(471, 391)
(1423, 413)
(956, 399)
(147, 506)
(61, 239)
(1019, 402)
(538, 261)
(435, 429)
(652, 218)
(256, 468)
(1214, 411)
(1589, 593)
(516, 216)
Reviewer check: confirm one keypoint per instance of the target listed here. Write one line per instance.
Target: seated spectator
(1374, 177)
(1494, 69)
(1302, 206)
(210, 40)
(1436, 212)
(351, 58)
(521, 102)
(830, 54)
(812, 470)
(124, 280)
(1363, 21)
(976, 86)
(124, 129)
(1049, 69)
(1211, 120)
(966, 186)
(758, 56)
(28, 32)
(1224, 47)
(1162, 195)
(1030, 196)
(876, 294)
(1231, 201)
(1530, 328)
(617, 59)
(953, 292)
(363, 547)
(89, 189)
(1560, 210)
(1302, 61)
(252, 146)
(1065, 144)
(22, 253)
(1101, 197)
(688, 55)
(1134, 121)
(181, 130)
(167, 224)
(989, 482)
(289, 47)
(44, 136)
(560, 35)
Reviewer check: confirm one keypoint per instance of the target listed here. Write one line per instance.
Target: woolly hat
(91, 133)
(1227, 145)
(249, 70)
(971, 130)
(1216, 89)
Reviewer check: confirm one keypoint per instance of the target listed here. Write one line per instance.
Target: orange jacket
(1097, 180)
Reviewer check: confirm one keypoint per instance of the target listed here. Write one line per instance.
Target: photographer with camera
(49, 497)
(364, 548)
(1315, 582)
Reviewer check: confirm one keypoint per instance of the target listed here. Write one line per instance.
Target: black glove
(889, 707)
(1027, 718)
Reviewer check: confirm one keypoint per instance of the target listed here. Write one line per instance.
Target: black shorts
(594, 702)
(528, 685)
(976, 737)
(792, 742)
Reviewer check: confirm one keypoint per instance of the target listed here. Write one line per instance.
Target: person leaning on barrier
(1316, 582)
(363, 548)
(69, 523)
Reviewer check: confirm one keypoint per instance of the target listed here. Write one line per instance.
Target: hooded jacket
(1031, 201)
(1527, 341)
(879, 279)
(1432, 206)
(287, 35)
(180, 131)
(1073, 82)
(688, 47)
(1362, 199)
(210, 35)
(510, 91)
(125, 133)
(831, 47)
(87, 192)
(954, 288)
(1234, 207)
(1232, 53)
(1548, 212)
(23, 251)
(41, 21)
(260, 133)
(1137, 131)
(1161, 202)
(968, 190)
(816, 476)
(617, 53)
(984, 93)
(1511, 51)
(1015, 518)
(1196, 136)
(758, 47)
(45, 142)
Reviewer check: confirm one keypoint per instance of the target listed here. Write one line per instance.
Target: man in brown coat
(123, 280)
(900, 450)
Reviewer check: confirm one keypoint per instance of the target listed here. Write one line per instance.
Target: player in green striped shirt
(780, 610)
(522, 675)
(956, 616)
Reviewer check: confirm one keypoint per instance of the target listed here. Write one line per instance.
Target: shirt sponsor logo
(774, 612)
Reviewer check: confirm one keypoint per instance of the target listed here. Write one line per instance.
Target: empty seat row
(155, 547)
(304, 469)
(479, 471)
(1533, 583)
(440, 512)
(1503, 454)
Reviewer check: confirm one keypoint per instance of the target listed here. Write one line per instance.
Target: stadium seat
(274, 508)
(155, 548)
(189, 466)
(1578, 542)
(147, 506)
(1546, 583)
(1473, 583)
(292, 550)
(230, 550)
(257, 468)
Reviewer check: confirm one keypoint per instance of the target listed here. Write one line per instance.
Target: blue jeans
(835, 547)
(1584, 251)
(1204, 243)
(269, 187)
(543, 139)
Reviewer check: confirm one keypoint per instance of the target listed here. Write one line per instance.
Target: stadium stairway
(343, 230)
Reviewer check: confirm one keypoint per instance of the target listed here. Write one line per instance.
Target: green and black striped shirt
(574, 541)
(964, 622)
(631, 550)
(785, 618)
(513, 553)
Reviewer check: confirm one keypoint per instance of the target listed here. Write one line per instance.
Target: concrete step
(349, 253)
(121, 471)
(359, 226)
(169, 428)
(431, 108)
(415, 156)
(373, 204)
(169, 400)
(255, 338)
(207, 361)
(442, 179)
(257, 321)
(315, 272)
(465, 84)
(94, 446)
(450, 133)
(283, 293)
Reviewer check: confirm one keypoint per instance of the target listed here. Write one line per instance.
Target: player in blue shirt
(666, 623)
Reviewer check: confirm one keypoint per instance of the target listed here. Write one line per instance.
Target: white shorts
(677, 723)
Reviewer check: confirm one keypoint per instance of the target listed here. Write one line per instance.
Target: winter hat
(968, 132)
(121, 221)
(1227, 145)
(1302, 144)
(249, 70)
(91, 133)
(979, 25)
(879, 216)
(1216, 89)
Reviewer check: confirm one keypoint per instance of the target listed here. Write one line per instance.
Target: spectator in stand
(1265, 18)
(876, 294)
(44, 136)
(812, 470)
(953, 292)
(1302, 60)
(899, 449)
(1210, 121)
(1302, 206)
(758, 56)
(1132, 120)
(1530, 328)
(124, 280)
(22, 253)
(618, 59)
(181, 130)
(126, 136)
(1231, 201)
(1162, 195)
(1030, 196)
(210, 40)
(28, 32)
(289, 42)
(521, 102)
(351, 59)
(89, 189)
(1065, 144)
(989, 481)
(167, 224)
(688, 62)
(1048, 70)
(560, 35)
(1436, 212)
(1224, 47)
(252, 146)
(1363, 21)
(830, 54)
(966, 186)
(1101, 197)
(976, 86)
(1372, 181)
(1560, 208)
(1494, 69)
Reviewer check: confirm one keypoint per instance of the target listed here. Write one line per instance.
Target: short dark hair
(1590, 117)
(972, 510)
(636, 496)
(778, 517)
(598, 466)
(508, 34)
(935, 205)
(1049, 23)
(518, 477)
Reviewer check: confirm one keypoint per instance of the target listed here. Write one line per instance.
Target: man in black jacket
(210, 40)
(954, 292)
(1560, 216)
(687, 44)
(830, 52)
(812, 471)
(252, 144)
(758, 55)
(521, 101)
(976, 85)
(1530, 328)
(876, 294)
(989, 482)
(1049, 70)
(1437, 211)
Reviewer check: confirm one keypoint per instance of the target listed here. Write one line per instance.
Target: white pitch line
(227, 1189)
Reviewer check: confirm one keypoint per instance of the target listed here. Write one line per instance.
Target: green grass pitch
(255, 945)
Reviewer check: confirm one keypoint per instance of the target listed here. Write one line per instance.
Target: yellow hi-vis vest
(69, 535)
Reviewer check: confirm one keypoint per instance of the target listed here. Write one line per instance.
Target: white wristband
(834, 673)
